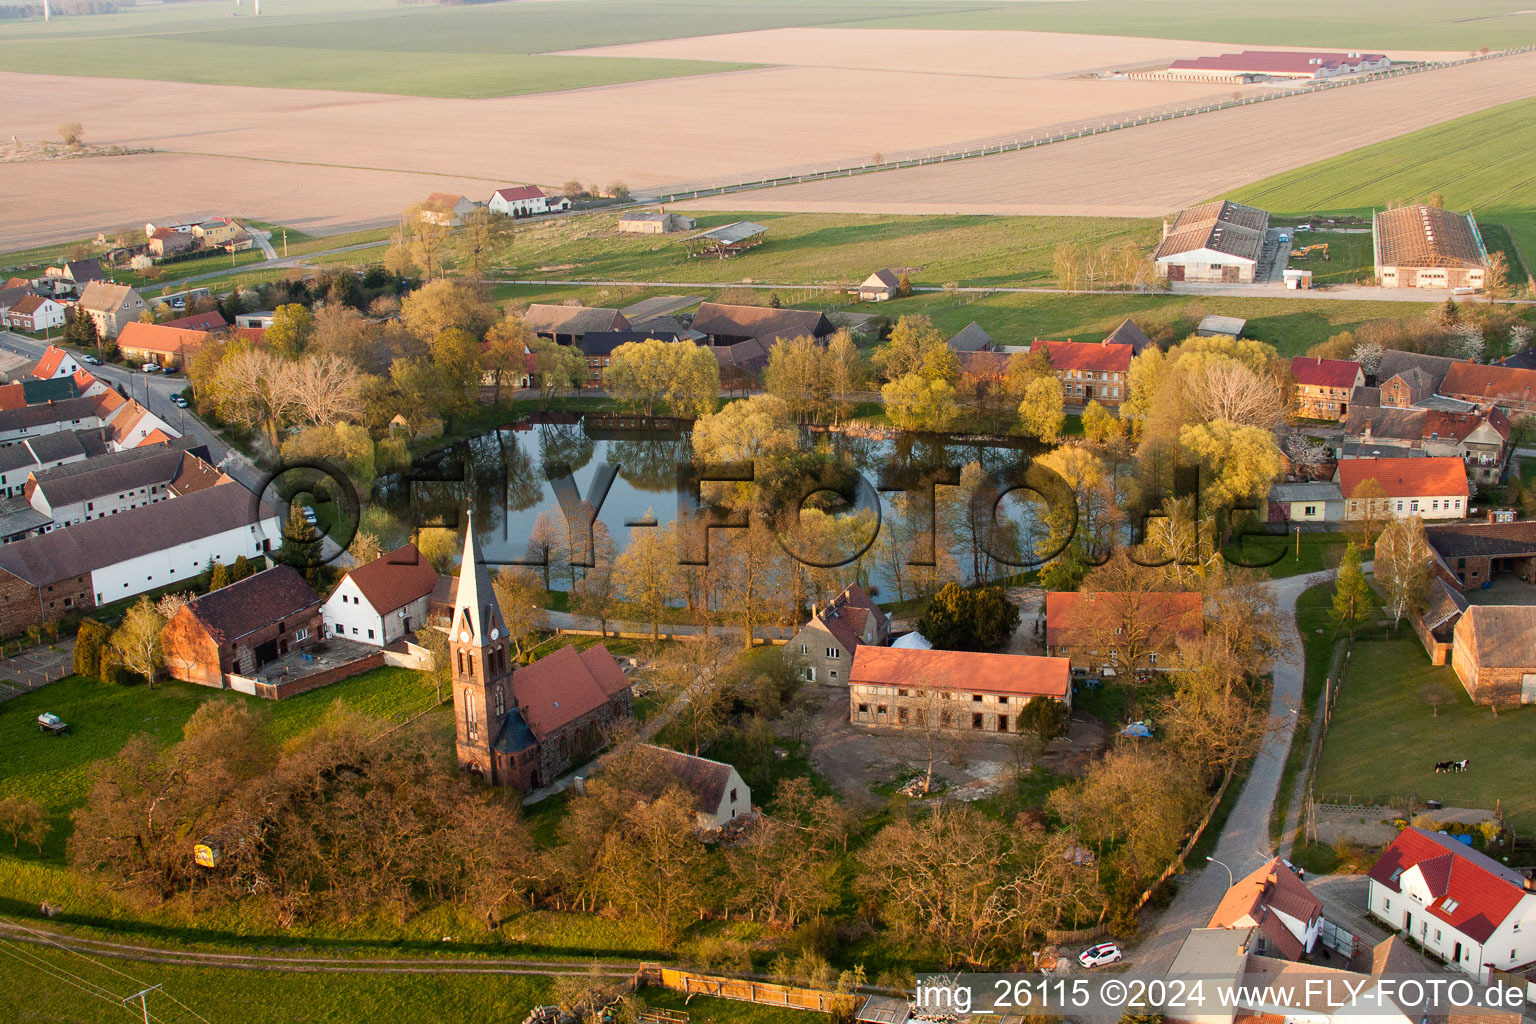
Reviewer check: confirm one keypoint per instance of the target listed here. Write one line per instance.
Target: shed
(727, 240)
(879, 286)
(883, 1010)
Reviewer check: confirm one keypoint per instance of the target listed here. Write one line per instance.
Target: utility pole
(47, 15)
(143, 997)
(285, 243)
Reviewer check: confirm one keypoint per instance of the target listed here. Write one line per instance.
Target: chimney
(1166, 226)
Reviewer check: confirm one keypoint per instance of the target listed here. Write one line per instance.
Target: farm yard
(1150, 170)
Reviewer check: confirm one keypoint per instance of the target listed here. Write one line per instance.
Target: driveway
(1244, 842)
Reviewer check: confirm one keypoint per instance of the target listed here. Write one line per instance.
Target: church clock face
(464, 636)
(495, 633)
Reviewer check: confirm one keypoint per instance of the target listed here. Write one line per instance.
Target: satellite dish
(464, 636)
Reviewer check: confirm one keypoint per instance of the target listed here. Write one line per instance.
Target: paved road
(1244, 842)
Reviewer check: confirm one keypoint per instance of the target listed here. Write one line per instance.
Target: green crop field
(1381, 718)
(822, 249)
(1479, 162)
(1358, 24)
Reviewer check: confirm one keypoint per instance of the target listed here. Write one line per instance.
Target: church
(525, 728)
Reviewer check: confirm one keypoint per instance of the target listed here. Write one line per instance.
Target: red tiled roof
(1272, 887)
(212, 320)
(1325, 373)
(1481, 892)
(160, 338)
(1457, 425)
(512, 195)
(395, 579)
(1080, 355)
(1489, 383)
(846, 614)
(561, 687)
(1068, 612)
(254, 335)
(48, 365)
(1011, 674)
(1406, 478)
(12, 396)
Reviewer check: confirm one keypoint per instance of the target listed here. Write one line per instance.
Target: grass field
(823, 248)
(1385, 741)
(37, 993)
(1479, 162)
(1406, 24)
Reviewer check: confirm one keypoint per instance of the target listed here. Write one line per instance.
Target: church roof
(474, 605)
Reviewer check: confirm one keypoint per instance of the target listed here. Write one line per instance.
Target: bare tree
(255, 388)
(1403, 562)
(1225, 389)
(326, 388)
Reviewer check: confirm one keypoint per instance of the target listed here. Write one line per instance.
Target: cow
(1461, 765)
(1443, 766)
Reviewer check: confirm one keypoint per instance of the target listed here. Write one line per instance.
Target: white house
(719, 793)
(116, 482)
(35, 313)
(382, 601)
(1457, 903)
(55, 362)
(445, 209)
(1430, 488)
(519, 201)
(1279, 905)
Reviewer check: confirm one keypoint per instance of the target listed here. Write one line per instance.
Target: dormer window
(1449, 906)
(1396, 874)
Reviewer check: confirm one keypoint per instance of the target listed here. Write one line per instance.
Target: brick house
(1089, 372)
(159, 344)
(1492, 653)
(524, 728)
(1099, 632)
(35, 313)
(827, 641)
(895, 687)
(240, 628)
(1480, 438)
(1436, 625)
(1427, 488)
(111, 306)
(1323, 386)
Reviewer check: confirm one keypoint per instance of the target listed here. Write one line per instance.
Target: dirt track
(1151, 170)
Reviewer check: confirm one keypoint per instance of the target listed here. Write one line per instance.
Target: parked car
(178, 401)
(1098, 956)
(1298, 872)
(309, 516)
(1285, 239)
(93, 361)
(150, 367)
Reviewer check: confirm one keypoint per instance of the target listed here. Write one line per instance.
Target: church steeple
(476, 617)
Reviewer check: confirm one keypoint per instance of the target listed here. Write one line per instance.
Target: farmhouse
(118, 481)
(972, 338)
(1427, 488)
(567, 325)
(718, 792)
(1479, 439)
(35, 313)
(726, 241)
(1427, 247)
(1278, 905)
(382, 601)
(1510, 388)
(1103, 632)
(1409, 378)
(725, 324)
(1323, 386)
(526, 728)
(80, 272)
(159, 344)
(1218, 241)
(519, 201)
(1271, 65)
(1468, 554)
(900, 687)
(445, 209)
(1129, 334)
(880, 286)
(655, 222)
(827, 642)
(238, 629)
(44, 578)
(1089, 372)
(111, 306)
(1459, 904)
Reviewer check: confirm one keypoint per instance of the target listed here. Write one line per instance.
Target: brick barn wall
(294, 687)
(190, 654)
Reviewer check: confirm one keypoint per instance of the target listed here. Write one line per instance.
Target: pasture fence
(30, 680)
(1015, 142)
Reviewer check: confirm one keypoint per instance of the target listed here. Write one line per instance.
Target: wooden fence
(743, 989)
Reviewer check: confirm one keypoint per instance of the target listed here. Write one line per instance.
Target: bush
(957, 619)
(90, 641)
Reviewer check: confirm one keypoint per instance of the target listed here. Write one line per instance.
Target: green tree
(26, 821)
(301, 547)
(456, 366)
(1352, 594)
(1042, 412)
(957, 619)
(1099, 424)
(556, 367)
(440, 305)
(643, 376)
(481, 238)
(915, 402)
(1046, 720)
(916, 346)
(90, 639)
(994, 616)
(218, 578)
(292, 327)
(136, 642)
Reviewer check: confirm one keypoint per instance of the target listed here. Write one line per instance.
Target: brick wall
(23, 605)
(573, 745)
(190, 654)
(294, 687)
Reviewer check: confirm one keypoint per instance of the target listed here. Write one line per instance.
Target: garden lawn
(1384, 740)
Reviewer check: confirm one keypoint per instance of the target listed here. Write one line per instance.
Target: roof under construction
(1427, 236)
(1222, 226)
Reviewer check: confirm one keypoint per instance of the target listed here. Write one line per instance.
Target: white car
(1098, 956)
(1298, 872)
(150, 367)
